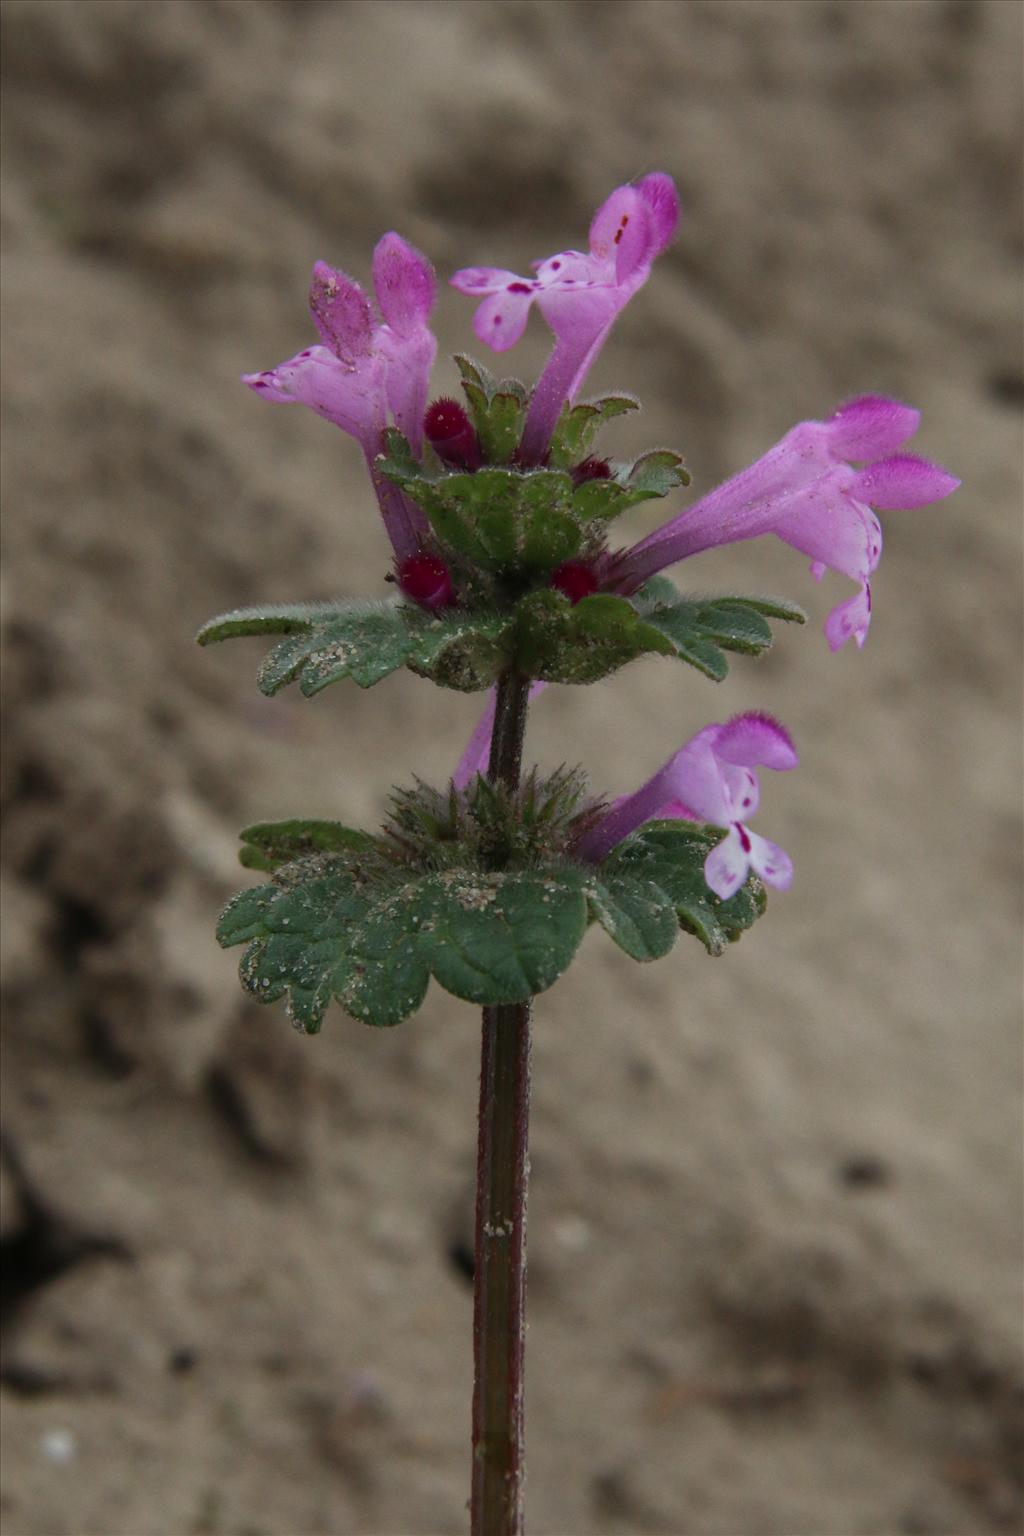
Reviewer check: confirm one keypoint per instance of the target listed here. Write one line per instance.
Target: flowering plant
(498, 512)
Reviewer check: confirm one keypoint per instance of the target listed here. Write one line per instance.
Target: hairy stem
(499, 1285)
(513, 694)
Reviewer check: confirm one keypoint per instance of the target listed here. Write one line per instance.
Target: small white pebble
(58, 1446)
(573, 1232)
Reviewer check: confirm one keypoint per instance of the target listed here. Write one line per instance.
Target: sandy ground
(775, 1227)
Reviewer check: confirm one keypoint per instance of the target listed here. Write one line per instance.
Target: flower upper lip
(366, 368)
(578, 293)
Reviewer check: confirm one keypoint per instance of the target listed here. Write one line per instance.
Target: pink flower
(711, 779)
(804, 491)
(366, 368)
(578, 294)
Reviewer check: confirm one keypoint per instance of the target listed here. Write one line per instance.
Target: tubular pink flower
(578, 294)
(805, 492)
(711, 779)
(366, 368)
(478, 749)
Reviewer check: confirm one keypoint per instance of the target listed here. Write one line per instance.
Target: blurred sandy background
(775, 1225)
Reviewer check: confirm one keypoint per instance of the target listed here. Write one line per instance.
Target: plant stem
(513, 694)
(499, 1281)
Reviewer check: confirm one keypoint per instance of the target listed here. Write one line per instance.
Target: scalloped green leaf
(352, 924)
(365, 647)
(501, 427)
(772, 608)
(662, 592)
(398, 454)
(477, 400)
(564, 643)
(579, 425)
(269, 844)
(497, 519)
(502, 938)
(263, 619)
(463, 651)
(636, 913)
(599, 500)
(549, 539)
(476, 374)
(498, 408)
(324, 929)
(243, 917)
(515, 387)
(659, 592)
(367, 641)
(670, 855)
(703, 629)
(736, 627)
(654, 474)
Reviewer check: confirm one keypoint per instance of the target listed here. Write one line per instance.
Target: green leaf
(513, 387)
(599, 500)
(637, 914)
(369, 930)
(654, 474)
(475, 514)
(701, 630)
(662, 592)
(564, 643)
(501, 428)
(503, 938)
(681, 626)
(367, 641)
(659, 592)
(331, 926)
(736, 627)
(772, 608)
(243, 917)
(498, 408)
(264, 619)
(579, 425)
(462, 650)
(368, 920)
(549, 538)
(491, 514)
(269, 844)
(365, 646)
(669, 856)
(476, 374)
(497, 520)
(398, 453)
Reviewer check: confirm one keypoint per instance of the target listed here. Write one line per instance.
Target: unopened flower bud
(425, 579)
(451, 434)
(590, 469)
(575, 580)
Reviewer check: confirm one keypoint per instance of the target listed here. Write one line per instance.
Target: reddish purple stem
(499, 1286)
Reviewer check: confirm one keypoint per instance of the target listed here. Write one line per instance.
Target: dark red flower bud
(591, 469)
(425, 579)
(451, 434)
(575, 580)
